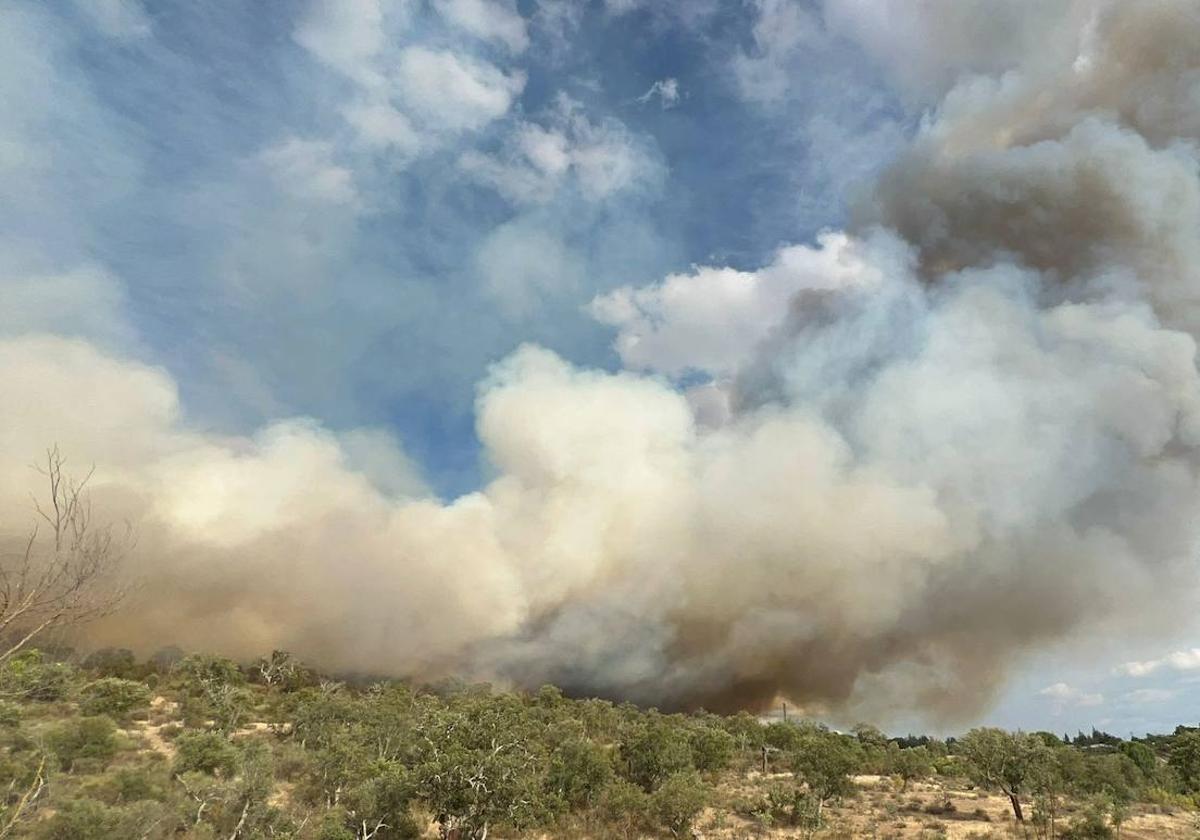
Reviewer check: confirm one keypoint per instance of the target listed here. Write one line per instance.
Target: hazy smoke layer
(965, 428)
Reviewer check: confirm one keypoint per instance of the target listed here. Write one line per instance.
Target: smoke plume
(965, 427)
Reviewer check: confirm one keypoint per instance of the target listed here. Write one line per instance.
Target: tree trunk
(1016, 806)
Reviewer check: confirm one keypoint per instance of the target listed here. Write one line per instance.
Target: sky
(353, 216)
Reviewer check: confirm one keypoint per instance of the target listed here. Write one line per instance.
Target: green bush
(130, 784)
(624, 806)
(1088, 827)
(678, 800)
(87, 738)
(83, 819)
(654, 753)
(712, 749)
(579, 772)
(114, 697)
(31, 677)
(205, 752)
(113, 662)
(200, 671)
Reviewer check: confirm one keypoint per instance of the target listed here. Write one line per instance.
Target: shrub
(10, 714)
(712, 749)
(82, 819)
(678, 800)
(84, 738)
(30, 677)
(625, 806)
(334, 826)
(1088, 827)
(113, 662)
(199, 672)
(579, 772)
(654, 753)
(205, 752)
(130, 785)
(113, 696)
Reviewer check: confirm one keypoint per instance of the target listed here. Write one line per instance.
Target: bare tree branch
(66, 572)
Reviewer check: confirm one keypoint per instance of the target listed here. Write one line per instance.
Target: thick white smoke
(966, 427)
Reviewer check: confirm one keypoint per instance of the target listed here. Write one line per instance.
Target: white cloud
(489, 20)
(713, 319)
(455, 92)
(783, 27)
(1180, 660)
(381, 125)
(601, 158)
(306, 170)
(344, 34)
(665, 90)
(409, 98)
(1064, 695)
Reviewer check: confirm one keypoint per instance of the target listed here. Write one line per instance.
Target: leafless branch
(65, 573)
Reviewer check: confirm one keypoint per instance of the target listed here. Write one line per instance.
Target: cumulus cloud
(714, 319)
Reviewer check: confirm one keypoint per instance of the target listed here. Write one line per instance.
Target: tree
(65, 573)
(825, 761)
(1141, 755)
(478, 768)
(580, 770)
(280, 670)
(909, 764)
(678, 800)
(712, 748)
(1185, 758)
(655, 752)
(1009, 761)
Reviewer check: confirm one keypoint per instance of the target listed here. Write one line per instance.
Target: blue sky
(368, 307)
(349, 212)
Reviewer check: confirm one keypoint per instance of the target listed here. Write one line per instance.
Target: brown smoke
(961, 431)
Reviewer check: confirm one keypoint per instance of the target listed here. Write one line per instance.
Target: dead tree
(65, 573)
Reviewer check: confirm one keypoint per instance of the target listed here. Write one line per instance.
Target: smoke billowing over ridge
(962, 429)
